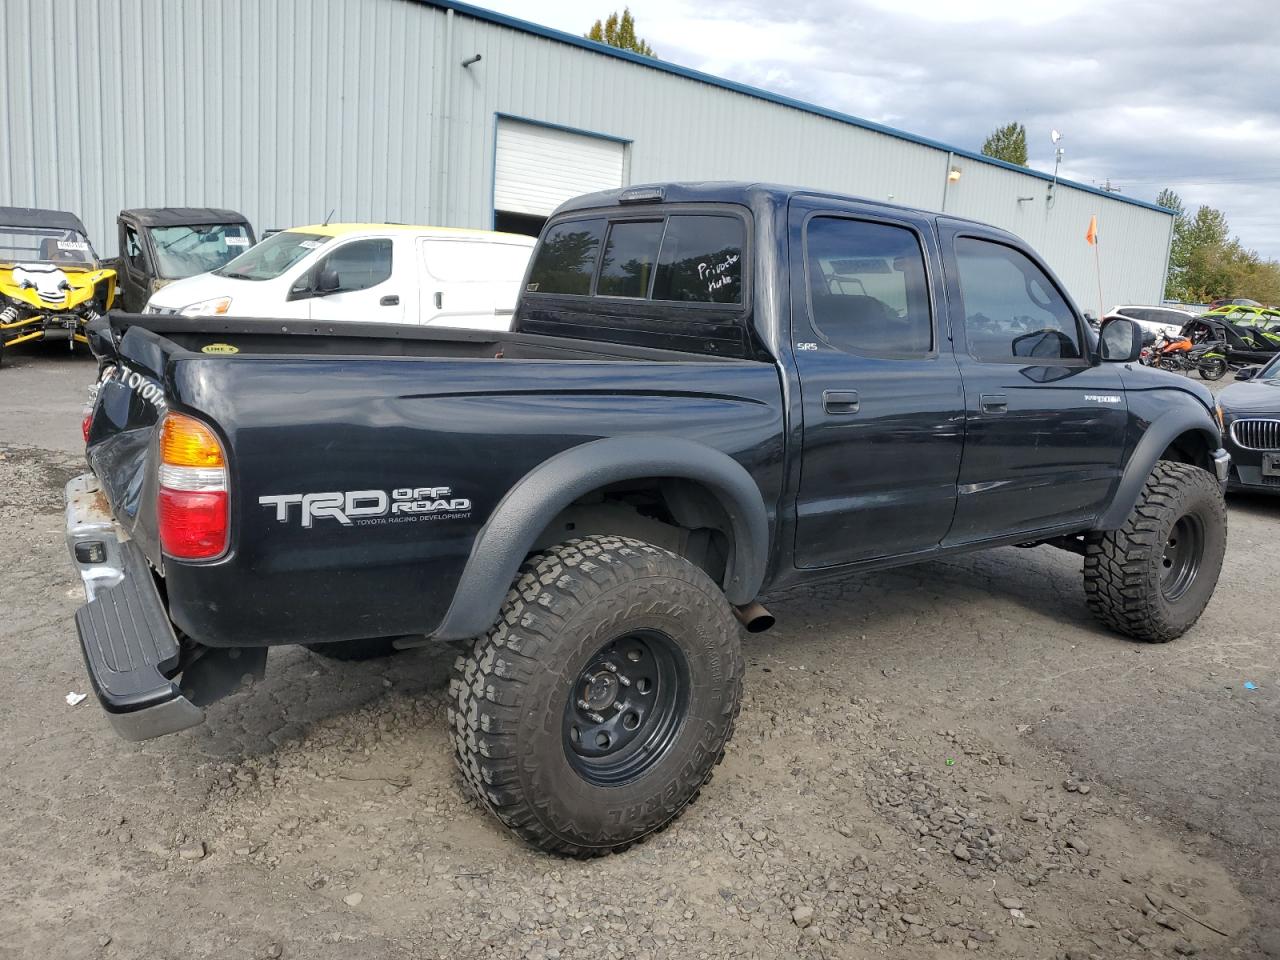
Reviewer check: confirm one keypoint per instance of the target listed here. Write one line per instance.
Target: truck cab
(380, 273)
(159, 245)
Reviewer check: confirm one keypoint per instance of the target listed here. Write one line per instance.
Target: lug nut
(596, 718)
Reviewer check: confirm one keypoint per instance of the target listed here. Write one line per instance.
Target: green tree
(1008, 143)
(1206, 262)
(1179, 247)
(620, 32)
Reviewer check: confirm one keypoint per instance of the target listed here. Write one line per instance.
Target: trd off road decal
(369, 507)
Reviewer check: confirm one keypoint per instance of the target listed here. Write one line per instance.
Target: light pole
(1055, 137)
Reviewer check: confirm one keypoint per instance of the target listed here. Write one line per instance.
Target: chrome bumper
(127, 640)
(1222, 466)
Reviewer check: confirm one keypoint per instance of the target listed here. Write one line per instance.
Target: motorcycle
(1180, 355)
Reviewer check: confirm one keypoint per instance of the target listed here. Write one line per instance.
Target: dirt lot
(931, 762)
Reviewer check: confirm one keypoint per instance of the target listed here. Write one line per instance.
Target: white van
(374, 272)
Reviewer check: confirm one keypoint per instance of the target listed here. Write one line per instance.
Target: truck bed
(293, 338)
(339, 408)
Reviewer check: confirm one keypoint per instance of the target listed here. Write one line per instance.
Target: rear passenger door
(883, 407)
(1045, 423)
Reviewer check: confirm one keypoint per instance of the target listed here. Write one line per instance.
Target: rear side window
(566, 258)
(868, 289)
(629, 257)
(701, 260)
(1012, 311)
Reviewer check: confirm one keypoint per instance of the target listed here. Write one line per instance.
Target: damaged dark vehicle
(710, 392)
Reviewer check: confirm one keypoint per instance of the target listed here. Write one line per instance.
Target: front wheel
(596, 708)
(1152, 578)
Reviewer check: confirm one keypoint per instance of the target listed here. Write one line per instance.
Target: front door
(1044, 421)
(883, 406)
(368, 286)
(135, 274)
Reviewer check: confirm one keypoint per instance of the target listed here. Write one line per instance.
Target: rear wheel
(596, 708)
(1214, 369)
(1152, 578)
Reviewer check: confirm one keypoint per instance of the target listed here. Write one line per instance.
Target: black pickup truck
(710, 391)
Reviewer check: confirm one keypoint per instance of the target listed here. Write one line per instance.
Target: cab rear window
(683, 258)
(566, 259)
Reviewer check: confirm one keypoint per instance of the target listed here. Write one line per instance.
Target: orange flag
(1091, 236)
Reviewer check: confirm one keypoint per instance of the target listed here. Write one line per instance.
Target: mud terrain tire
(1152, 578)
(603, 629)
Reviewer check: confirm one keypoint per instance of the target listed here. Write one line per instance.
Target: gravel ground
(935, 761)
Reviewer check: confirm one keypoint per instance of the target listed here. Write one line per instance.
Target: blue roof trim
(501, 19)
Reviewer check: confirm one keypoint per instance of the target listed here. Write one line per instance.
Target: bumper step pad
(130, 649)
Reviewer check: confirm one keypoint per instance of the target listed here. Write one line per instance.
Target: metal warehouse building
(431, 111)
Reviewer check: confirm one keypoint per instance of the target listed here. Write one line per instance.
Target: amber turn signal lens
(186, 442)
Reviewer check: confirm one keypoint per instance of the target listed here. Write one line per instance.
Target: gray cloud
(1181, 94)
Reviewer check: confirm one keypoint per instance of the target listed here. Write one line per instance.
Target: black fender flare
(1163, 430)
(549, 488)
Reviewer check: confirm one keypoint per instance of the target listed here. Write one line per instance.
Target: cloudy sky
(1180, 93)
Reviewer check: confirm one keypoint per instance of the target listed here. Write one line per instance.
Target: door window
(868, 290)
(1012, 310)
(133, 250)
(360, 264)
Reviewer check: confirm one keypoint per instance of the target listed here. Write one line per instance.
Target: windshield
(273, 256)
(185, 251)
(1272, 370)
(66, 248)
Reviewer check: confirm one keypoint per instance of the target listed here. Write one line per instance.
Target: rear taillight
(86, 422)
(191, 507)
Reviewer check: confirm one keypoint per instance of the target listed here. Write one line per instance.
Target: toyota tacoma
(710, 392)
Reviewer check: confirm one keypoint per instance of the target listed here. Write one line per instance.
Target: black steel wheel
(1183, 553)
(596, 708)
(1152, 578)
(626, 708)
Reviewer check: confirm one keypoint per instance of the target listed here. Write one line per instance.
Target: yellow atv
(51, 283)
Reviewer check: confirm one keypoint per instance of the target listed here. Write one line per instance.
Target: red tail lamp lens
(193, 524)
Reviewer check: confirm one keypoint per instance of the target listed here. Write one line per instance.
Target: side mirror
(1120, 341)
(326, 281)
(1247, 373)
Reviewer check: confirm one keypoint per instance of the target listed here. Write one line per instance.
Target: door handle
(439, 300)
(390, 300)
(840, 401)
(995, 403)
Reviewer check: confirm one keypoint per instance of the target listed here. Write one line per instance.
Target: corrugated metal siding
(285, 109)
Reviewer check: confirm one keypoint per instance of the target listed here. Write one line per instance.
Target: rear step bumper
(125, 635)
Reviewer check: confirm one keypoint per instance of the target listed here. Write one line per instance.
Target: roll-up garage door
(538, 168)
